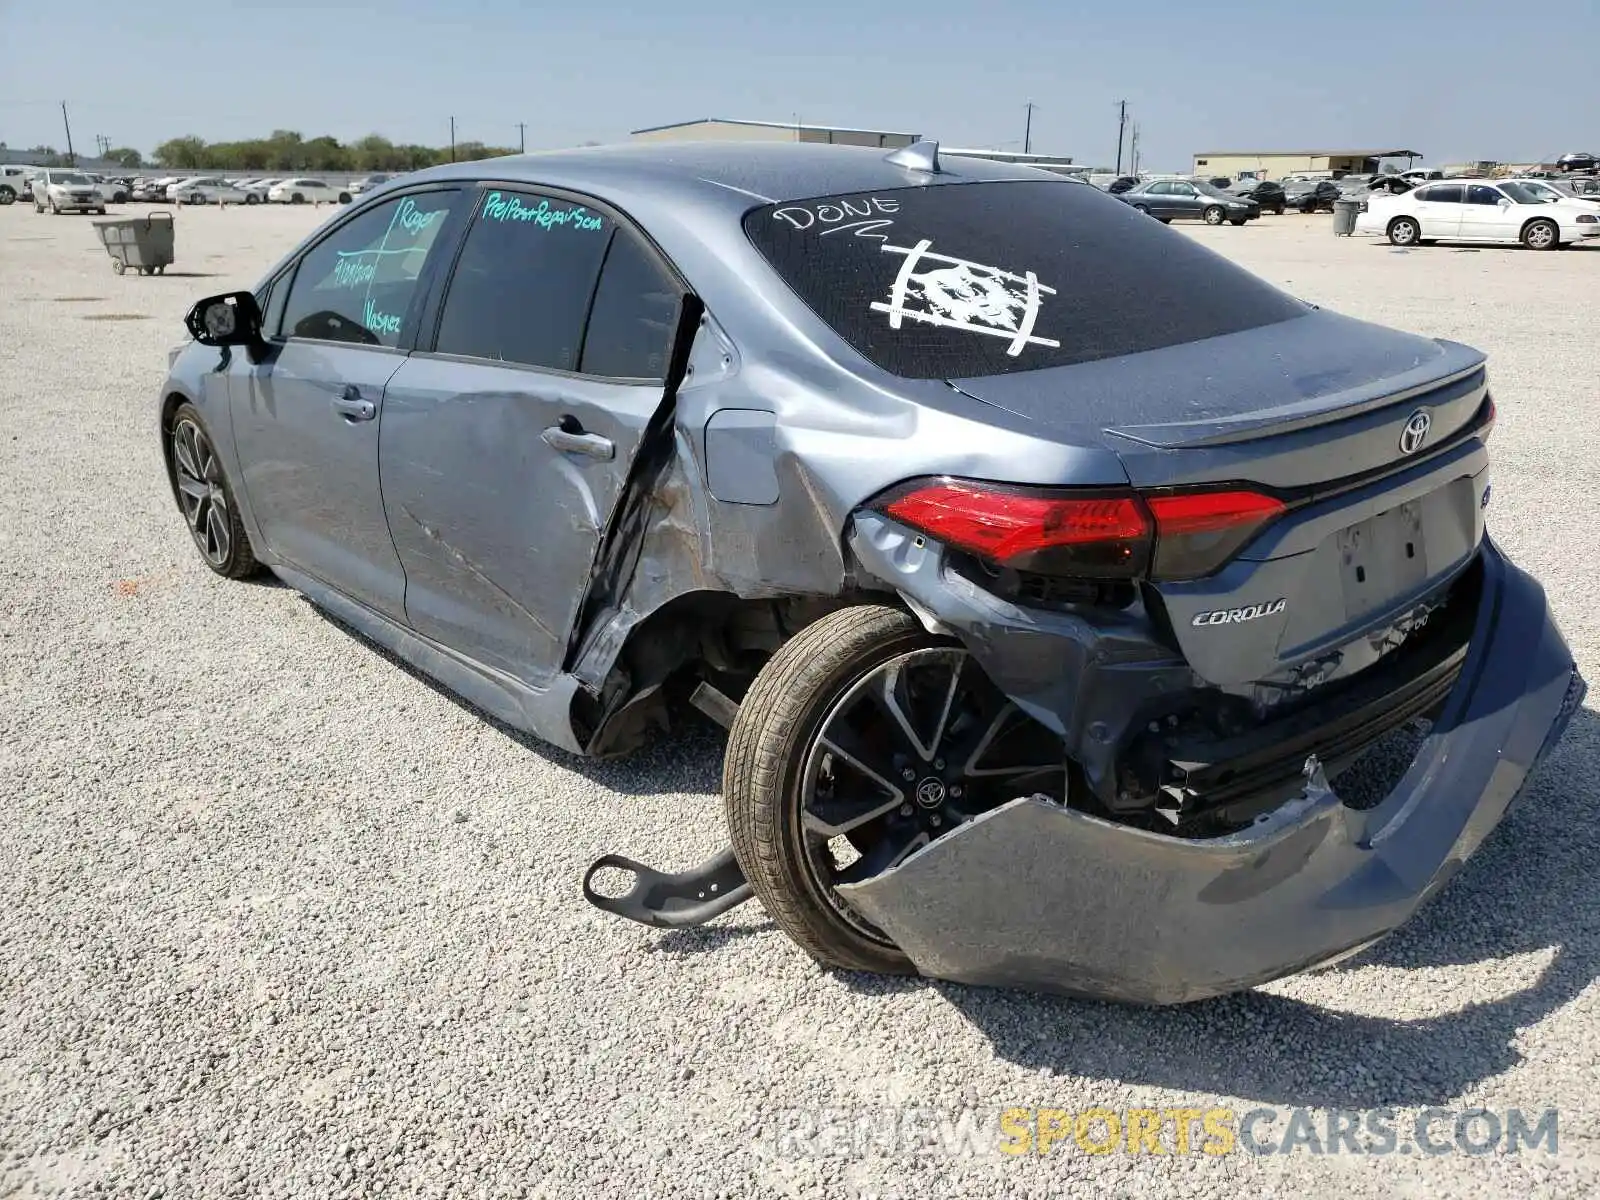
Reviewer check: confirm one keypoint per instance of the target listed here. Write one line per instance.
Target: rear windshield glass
(960, 280)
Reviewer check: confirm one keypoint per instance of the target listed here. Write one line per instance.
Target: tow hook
(688, 898)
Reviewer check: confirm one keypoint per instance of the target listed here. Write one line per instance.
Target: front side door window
(359, 284)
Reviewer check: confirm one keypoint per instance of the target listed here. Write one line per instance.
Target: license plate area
(1382, 558)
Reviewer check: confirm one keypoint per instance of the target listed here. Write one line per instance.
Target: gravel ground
(279, 918)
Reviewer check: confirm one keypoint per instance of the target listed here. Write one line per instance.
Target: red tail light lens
(1196, 532)
(1088, 534)
(1093, 535)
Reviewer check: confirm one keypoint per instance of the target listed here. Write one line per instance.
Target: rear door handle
(352, 407)
(571, 439)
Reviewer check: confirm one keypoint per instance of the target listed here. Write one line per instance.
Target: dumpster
(143, 243)
(1344, 216)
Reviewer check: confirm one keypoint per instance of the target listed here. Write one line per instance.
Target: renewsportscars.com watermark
(1215, 1132)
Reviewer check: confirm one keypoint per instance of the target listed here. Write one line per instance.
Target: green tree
(183, 152)
(126, 156)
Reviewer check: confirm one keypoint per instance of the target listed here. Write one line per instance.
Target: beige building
(717, 129)
(1275, 164)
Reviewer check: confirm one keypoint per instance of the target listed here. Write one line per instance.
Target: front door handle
(352, 407)
(570, 438)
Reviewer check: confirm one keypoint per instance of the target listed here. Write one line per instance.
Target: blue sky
(1468, 79)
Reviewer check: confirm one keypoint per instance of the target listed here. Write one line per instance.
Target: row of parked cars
(1541, 214)
(215, 189)
(68, 189)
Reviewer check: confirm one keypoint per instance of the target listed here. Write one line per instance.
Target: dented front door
(498, 482)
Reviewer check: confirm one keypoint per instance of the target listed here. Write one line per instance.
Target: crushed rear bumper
(1039, 896)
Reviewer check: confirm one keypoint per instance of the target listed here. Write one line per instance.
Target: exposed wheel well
(712, 637)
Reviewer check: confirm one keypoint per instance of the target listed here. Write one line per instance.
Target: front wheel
(864, 739)
(1403, 231)
(1541, 235)
(7, 195)
(205, 497)
(297, 198)
(344, 197)
(1214, 215)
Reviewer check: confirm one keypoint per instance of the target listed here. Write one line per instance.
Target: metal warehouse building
(1275, 164)
(719, 129)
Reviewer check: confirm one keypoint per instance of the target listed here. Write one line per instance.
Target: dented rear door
(505, 446)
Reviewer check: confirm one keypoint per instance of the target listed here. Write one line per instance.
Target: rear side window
(954, 281)
(521, 291)
(634, 315)
(1449, 193)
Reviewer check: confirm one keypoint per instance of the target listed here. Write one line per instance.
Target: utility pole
(1027, 130)
(522, 137)
(1134, 155)
(72, 159)
(452, 139)
(1122, 124)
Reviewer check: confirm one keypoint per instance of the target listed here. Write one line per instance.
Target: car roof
(726, 174)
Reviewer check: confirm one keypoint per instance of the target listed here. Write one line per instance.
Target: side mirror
(231, 319)
(1504, 202)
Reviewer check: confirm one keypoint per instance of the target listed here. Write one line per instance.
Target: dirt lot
(279, 918)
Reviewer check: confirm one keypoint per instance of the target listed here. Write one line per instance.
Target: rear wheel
(297, 198)
(1404, 231)
(864, 739)
(8, 195)
(1238, 221)
(205, 497)
(344, 197)
(1214, 215)
(1541, 235)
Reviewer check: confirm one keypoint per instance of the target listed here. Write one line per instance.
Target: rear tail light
(1196, 532)
(1488, 419)
(1093, 534)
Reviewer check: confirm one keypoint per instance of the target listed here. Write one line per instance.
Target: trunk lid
(1316, 410)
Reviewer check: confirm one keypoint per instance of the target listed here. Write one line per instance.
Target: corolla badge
(1415, 431)
(1233, 616)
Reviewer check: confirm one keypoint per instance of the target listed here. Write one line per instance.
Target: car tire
(1239, 221)
(769, 746)
(205, 496)
(1141, 208)
(344, 197)
(251, 198)
(101, 210)
(1404, 231)
(1541, 234)
(8, 195)
(297, 198)
(1214, 215)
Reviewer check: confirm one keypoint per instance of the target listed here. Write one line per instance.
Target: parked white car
(1472, 210)
(307, 190)
(206, 189)
(13, 183)
(114, 193)
(62, 190)
(367, 183)
(1552, 194)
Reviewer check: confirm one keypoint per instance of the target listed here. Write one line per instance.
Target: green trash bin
(1344, 216)
(143, 243)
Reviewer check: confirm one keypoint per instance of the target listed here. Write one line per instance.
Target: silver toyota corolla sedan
(1050, 572)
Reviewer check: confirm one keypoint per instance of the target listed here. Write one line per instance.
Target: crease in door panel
(434, 536)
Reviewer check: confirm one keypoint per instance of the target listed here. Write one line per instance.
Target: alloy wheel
(915, 747)
(1540, 235)
(202, 493)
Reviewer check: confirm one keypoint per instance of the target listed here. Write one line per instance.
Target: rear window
(960, 280)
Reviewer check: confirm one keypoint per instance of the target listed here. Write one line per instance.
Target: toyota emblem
(1415, 431)
(930, 792)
